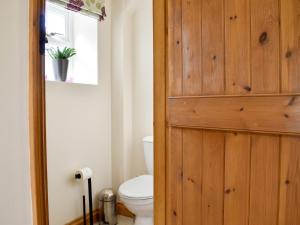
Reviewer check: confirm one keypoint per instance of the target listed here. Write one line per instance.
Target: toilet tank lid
(148, 139)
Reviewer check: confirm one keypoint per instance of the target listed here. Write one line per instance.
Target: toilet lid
(138, 188)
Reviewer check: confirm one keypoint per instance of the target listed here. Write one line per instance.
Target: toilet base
(139, 220)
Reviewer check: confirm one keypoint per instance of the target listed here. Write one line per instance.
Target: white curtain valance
(93, 8)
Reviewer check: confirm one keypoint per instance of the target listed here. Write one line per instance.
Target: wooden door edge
(37, 131)
(159, 12)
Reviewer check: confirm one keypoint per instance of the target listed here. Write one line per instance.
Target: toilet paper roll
(84, 174)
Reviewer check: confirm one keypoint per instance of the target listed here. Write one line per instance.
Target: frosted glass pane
(56, 23)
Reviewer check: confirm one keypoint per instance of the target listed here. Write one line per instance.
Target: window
(65, 28)
(58, 23)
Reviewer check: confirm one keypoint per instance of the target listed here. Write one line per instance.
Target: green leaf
(66, 53)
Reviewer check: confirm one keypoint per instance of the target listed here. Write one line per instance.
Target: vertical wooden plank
(191, 44)
(174, 177)
(290, 43)
(265, 70)
(237, 150)
(237, 177)
(264, 180)
(289, 210)
(265, 78)
(237, 46)
(174, 154)
(159, 26)
(213, 178)
(174, 48)
(213, 47)
(192, 176)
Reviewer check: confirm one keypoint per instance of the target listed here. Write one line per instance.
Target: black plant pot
(60, 67)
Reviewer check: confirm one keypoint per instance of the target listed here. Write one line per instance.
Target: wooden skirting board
(121, 210)
(79, 221)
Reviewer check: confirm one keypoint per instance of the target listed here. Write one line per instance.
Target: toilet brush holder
(108, 204)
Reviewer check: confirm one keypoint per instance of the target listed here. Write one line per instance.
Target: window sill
(70, 83)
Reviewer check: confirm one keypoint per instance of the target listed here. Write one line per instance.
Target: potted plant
(60, 59)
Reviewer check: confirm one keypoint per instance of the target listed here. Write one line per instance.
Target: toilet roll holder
(80, 175)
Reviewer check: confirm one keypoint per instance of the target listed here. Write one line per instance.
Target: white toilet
(137, 193)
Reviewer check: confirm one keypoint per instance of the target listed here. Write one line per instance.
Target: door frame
(37, 115)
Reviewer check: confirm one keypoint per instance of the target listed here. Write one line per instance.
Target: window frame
(69, 21)
(68, 39)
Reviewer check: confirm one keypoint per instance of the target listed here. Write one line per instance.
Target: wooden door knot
(288, 54)
(247, 88)
(263, 39)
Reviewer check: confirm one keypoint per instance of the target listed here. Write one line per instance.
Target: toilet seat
(138, 188)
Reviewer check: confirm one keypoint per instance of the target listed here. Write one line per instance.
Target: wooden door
(233, 106)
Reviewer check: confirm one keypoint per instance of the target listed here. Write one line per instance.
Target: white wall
(132, 86)
(79, 135)
(15, 203)
(85, 62)
(142, 83)
(117, 93)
